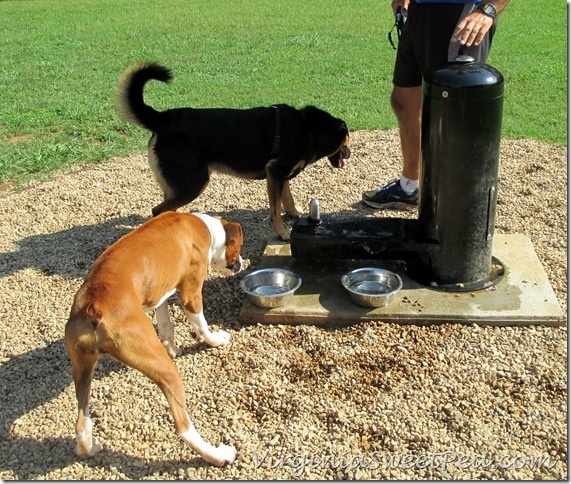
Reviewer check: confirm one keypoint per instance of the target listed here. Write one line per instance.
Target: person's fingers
(471, 31)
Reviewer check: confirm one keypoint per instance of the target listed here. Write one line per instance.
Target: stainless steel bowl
(371, 287)
(270, 288)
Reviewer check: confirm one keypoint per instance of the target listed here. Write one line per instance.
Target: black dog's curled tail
(129, 98)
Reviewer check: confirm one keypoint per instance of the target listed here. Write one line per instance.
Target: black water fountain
(444, 256)
(449, 246)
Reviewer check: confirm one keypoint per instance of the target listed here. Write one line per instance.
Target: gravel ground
(372, 400)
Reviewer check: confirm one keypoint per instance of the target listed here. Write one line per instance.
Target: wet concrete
(522, 297)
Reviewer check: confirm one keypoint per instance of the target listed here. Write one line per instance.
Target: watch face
(489, 9)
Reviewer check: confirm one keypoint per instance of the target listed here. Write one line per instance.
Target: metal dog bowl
(270, 288)
(371, 287)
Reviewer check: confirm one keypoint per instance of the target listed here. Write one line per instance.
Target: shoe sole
(392, 205)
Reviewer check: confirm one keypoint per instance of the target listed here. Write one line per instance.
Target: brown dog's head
(225, 243)
(234, 242)
(330, 136)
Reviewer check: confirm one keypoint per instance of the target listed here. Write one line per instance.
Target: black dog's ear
(343, 127)
(316, 117)
(312, 111)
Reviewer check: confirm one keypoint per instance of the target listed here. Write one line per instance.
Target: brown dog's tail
(130, 103)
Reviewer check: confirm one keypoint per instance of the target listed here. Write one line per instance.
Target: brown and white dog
(275, 143)
(169, 253)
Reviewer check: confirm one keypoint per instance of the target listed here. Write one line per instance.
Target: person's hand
(402, 4)
(472, 29)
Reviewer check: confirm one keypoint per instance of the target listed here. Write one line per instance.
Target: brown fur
(108, 313)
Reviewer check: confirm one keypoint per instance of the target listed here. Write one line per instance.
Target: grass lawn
(61, 60)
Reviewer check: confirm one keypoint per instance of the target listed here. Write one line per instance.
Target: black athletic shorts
(426, 41)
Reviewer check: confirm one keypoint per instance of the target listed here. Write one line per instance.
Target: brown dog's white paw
(172, 349)
(225, 454)
(218, 338)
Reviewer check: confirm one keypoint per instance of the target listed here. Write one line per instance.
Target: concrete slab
(523, 297)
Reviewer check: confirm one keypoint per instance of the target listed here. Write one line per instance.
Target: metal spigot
(314, 212)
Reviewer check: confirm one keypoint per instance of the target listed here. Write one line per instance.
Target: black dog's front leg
(288, 202)
(275, 189)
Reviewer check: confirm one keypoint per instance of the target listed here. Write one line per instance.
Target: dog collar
(277, 142)
(277, 135)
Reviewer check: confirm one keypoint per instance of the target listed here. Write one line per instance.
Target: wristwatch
(488, 8)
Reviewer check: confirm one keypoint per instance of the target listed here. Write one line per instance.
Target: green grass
(61, 60)
(530, 50)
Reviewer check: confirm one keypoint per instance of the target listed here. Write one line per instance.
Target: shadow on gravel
(31, 380)
(28, 382)
(68, 253)
(71, 252)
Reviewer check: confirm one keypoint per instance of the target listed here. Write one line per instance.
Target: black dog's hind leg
(184, 192)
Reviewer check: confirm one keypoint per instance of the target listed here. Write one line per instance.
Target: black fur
(187, 143)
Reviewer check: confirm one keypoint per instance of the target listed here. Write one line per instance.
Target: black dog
(274, 142)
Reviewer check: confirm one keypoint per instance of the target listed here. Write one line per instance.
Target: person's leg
(403, 193)
(425, 43)
(406, 104)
